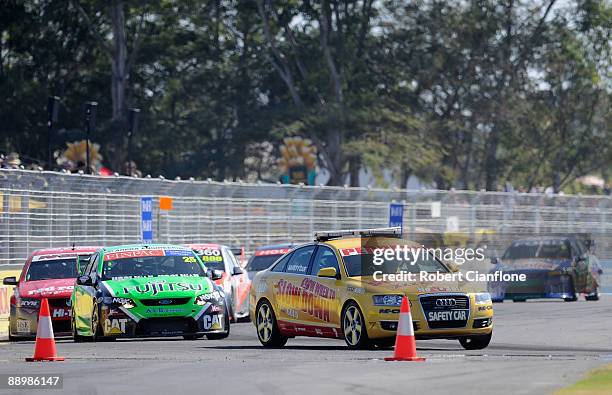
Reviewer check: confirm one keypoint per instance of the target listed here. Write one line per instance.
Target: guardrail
(46, 209)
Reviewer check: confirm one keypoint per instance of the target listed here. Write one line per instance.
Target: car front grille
(446, 311)
(164, 301)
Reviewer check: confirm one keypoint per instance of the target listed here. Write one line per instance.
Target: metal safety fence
(47, 209)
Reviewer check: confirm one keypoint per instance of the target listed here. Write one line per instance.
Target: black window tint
(325, 257)
(298, 264)
(282, 264)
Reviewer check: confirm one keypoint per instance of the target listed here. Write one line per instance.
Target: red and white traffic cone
(405, 345)
(44, 350)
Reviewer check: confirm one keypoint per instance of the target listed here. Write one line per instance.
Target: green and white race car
(147, 290)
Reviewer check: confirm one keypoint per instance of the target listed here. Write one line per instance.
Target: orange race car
(235, 281)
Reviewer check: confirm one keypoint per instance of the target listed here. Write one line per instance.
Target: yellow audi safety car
(332, 288)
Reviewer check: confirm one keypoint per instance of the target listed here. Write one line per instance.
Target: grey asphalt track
(537, 347)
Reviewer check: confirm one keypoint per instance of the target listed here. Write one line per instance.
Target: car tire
(267, 329)
(475, 342)
(354, 327)
(574, 296)
(593, 296)
(96, 326)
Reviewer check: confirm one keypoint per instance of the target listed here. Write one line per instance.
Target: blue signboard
(396, 215)
(146, 214)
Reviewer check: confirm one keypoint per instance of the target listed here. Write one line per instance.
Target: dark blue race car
(554, 267)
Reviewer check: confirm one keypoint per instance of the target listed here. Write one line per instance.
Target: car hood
(55, 288)
(368, 284)
(159, 286)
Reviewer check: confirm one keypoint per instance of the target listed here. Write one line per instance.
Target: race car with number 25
(328, 289)
(148, 290)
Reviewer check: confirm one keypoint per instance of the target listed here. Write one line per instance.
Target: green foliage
(459, 94)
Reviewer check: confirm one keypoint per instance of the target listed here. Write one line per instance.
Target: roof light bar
(336, 234)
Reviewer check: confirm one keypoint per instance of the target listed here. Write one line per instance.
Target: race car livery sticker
(61, 313)
(213, 322)
(23, 326)
(278, 251)
(315, 298)
(178, 253)
(52, 290)
(50, 257)
(115, 326)
(449, 315)
(156, 287)
(111, 256)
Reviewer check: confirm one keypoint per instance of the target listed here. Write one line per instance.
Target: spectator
(12, 161)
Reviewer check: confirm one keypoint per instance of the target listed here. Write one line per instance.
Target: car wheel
(219, 336)
(475, 342)
(354, 328)
(96, 326)
(593, 296)
(267, 331)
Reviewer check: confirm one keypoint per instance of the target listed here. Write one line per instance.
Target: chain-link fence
(44, 209)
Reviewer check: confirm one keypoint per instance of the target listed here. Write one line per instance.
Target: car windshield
(556, 249)
(145, 266)
(363, 265)
(261, 262)
(52, 269)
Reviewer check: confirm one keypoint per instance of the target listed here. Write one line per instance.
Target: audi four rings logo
(446, 302)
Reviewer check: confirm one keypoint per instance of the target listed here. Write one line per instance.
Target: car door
(239, 280)
(323, 305)
(288, 289)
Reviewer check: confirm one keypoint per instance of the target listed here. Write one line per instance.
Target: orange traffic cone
(44, 350)
(405, 345)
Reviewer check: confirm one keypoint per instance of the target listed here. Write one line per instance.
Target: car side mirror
(84, 280)
(82, 262)
(494, 260)
(10, 281)
(237, 270)
(216, 274)
(330, 272)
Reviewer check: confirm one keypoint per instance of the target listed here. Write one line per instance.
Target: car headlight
(214, 297)
(28, 303)
(125, 302)
(387, 300)
(482, 297)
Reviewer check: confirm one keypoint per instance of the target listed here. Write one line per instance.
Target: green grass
(596, 382)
